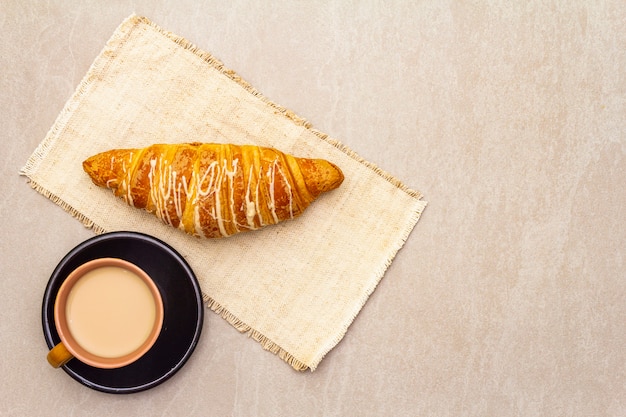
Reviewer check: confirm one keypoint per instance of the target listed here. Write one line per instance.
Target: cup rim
(73, 346)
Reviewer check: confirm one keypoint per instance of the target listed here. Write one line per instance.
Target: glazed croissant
(214, 190)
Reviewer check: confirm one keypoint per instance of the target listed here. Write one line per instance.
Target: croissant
(214, 190)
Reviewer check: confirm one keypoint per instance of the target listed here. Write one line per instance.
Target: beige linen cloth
(294, 287)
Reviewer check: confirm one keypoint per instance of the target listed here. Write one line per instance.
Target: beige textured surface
(295, 287)
(509, 297)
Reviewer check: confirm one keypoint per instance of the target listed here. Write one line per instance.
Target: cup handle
(59, 355)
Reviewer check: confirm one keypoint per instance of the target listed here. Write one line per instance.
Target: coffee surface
(110, 311)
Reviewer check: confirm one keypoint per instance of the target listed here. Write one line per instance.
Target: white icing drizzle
(271, 175)
(161, 176)
(111, 168)
(215, 174)
(127, 179)
(179, 208)
(210, 189)
(257, 200)
(167, 189)
(196, 220)
(286, 181)
(153, 194)
(250, 206)
(166, 177)
(231, 176)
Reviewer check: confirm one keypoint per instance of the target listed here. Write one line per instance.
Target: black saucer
(182, 301)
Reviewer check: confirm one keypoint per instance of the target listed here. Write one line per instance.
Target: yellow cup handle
(59, 355)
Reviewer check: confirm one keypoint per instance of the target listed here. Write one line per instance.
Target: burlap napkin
(294, 287)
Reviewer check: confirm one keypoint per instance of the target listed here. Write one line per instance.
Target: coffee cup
(108, 313)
